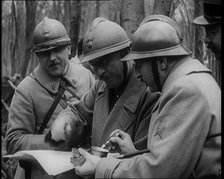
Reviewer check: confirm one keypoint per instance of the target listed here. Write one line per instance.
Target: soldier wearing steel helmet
(211, 21)
(118, 100)
(184, 136)
(36, 93)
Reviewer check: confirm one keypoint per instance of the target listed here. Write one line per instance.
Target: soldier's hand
(88, 168)
(124, 142)
(61, 129)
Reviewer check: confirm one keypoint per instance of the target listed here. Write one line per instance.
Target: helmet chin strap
(156, 75)
(125, 69)
(156, 72)
(125, 75)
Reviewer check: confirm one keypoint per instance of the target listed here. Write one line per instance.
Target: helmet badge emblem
(46, 30)
(46, 34)
(90, 41)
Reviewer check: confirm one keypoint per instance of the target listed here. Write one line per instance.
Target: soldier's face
(213, 39)
(55, 61)
(109, 68)
(143, 69)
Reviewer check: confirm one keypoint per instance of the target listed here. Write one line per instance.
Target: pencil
(134, 154)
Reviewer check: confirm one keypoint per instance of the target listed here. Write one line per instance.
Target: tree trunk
(55, 9)
(148, 7)
(14, 42)
(88, 13)
(183, 13)
(30, 25)
(97, 8)
(7, 35)
(162, 7)
(67, 12)
(132, 13)
(198, 33)
(75, 25)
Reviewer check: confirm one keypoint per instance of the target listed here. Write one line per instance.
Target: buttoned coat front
(32, 100)
(184, 134)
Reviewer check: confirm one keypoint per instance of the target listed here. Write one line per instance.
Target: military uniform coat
(182, 134)
(131, 113)
(32, 100)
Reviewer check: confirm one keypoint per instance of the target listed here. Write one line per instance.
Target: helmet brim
(54, 43)
(44, 49)
(174, 51)
(102, 52)
(202, 21)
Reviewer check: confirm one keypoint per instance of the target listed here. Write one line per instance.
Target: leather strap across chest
(51, 110)
(62, 88)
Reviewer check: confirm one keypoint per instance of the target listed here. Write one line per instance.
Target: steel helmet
(158, 35)
(102, 38)
(212, 13)
(49, 34)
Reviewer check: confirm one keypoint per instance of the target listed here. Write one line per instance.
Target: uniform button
(53, 87)
(63, 97)
(74, 82)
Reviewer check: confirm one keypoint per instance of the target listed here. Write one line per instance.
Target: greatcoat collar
(182, 68)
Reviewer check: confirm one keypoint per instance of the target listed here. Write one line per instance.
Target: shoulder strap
(53, 106)
(63, 85)
(62, 88)
(51, 110)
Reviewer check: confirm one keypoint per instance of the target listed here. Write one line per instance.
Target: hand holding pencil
(124, 142)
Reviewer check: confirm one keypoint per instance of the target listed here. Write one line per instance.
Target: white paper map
(53, 162)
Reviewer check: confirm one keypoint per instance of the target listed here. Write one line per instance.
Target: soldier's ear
(162, 63)
(69, 49)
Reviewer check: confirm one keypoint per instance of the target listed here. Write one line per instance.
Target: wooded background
(19, 19)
